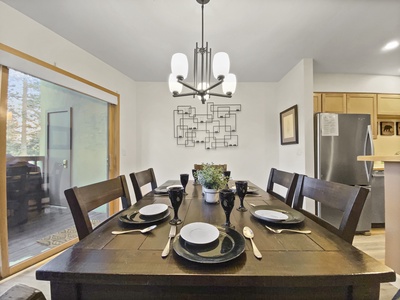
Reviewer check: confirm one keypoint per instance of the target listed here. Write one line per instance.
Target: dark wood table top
(289, 261)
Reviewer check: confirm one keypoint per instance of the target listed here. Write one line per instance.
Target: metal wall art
(214, 129)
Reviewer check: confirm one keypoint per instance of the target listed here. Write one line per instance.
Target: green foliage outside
(23, 114)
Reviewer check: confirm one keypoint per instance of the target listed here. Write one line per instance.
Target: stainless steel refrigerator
(339, 139)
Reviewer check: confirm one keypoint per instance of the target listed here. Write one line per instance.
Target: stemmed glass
(241, 190)
(227, 175)
(227, 199)
(194, 173)
(175, 196)
(184, 181)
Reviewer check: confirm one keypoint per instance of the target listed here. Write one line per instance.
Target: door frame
(113, 159)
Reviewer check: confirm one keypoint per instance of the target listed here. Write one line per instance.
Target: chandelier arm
(185, 94)
(188, 86)
(214, 85)
(220, 95)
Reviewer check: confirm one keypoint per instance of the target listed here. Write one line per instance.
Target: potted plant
(212, 179)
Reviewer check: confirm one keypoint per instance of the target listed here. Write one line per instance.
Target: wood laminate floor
(373, 244)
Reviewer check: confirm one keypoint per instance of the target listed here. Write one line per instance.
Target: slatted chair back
(345, 198)
(224, 167)
(284, 179)
(140, 179)
(82, 200)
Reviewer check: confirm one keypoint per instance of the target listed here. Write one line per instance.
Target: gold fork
(287, 230)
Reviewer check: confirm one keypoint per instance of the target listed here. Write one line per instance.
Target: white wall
(296, 87)
(28, 36)
(257, 127)
(351, 83)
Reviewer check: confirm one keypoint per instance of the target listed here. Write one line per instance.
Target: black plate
(250, 190)
(161, 190)
(294, 216)
(138, 218)
(229, 245)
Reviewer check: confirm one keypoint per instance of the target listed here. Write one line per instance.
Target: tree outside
(23, 115)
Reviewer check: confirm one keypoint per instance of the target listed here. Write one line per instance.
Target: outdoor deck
(23, 239)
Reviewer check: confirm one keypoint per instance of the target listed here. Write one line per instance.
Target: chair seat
(22, 292)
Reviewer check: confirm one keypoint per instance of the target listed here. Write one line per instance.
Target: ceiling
(264, 38)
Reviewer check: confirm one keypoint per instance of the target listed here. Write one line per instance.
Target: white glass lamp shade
(201, 87)
(179, 65)
(229, 84)
(174, 86)
(221, 64)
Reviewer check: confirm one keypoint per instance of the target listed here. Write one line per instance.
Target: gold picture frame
(289, 126)
(398, 128)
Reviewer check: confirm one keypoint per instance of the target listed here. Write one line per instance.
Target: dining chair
(22, 292)
(283, 179)
(347, 199)
(142, 178)
(224, 167)
(82, 200)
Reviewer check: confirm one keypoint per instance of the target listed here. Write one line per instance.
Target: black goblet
(227, 199)
(227, 175)
(175, 196)
(194, 173)
(184, 181)
(241, 190)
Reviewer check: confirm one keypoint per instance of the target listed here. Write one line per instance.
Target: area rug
(63, 236)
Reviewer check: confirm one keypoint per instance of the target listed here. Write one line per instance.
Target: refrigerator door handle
(368, 142)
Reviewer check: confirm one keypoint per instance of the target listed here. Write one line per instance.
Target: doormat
(63, 236)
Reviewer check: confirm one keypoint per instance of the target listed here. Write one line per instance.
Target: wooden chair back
(142, 178)
(224, 167)
(285, 179)
(345, 198)
(82, 200)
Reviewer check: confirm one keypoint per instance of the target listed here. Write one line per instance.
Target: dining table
(317, 265)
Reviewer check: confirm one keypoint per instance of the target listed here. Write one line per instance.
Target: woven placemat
(63, 236)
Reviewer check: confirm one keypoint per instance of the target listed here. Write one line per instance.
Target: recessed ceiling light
(390, 46)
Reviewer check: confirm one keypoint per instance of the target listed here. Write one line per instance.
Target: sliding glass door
(55, 138)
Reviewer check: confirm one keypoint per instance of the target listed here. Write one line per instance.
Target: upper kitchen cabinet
(317, 102)
(333, 103)
(352, 103)
(388, 105)
(363, 104)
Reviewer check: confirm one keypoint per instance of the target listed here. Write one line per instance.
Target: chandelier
(202, 71)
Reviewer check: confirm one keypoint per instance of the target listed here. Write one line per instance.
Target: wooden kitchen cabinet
(388, 105)
(333, 103)
(363, 104)
(317, 102)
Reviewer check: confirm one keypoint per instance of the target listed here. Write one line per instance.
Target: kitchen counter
(384, 158)
(392, 207)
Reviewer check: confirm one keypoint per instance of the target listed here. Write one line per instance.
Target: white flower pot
(210, 195)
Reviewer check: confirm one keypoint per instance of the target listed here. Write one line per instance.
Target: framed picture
(387, 128)
(289, 127)
(398, 128)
